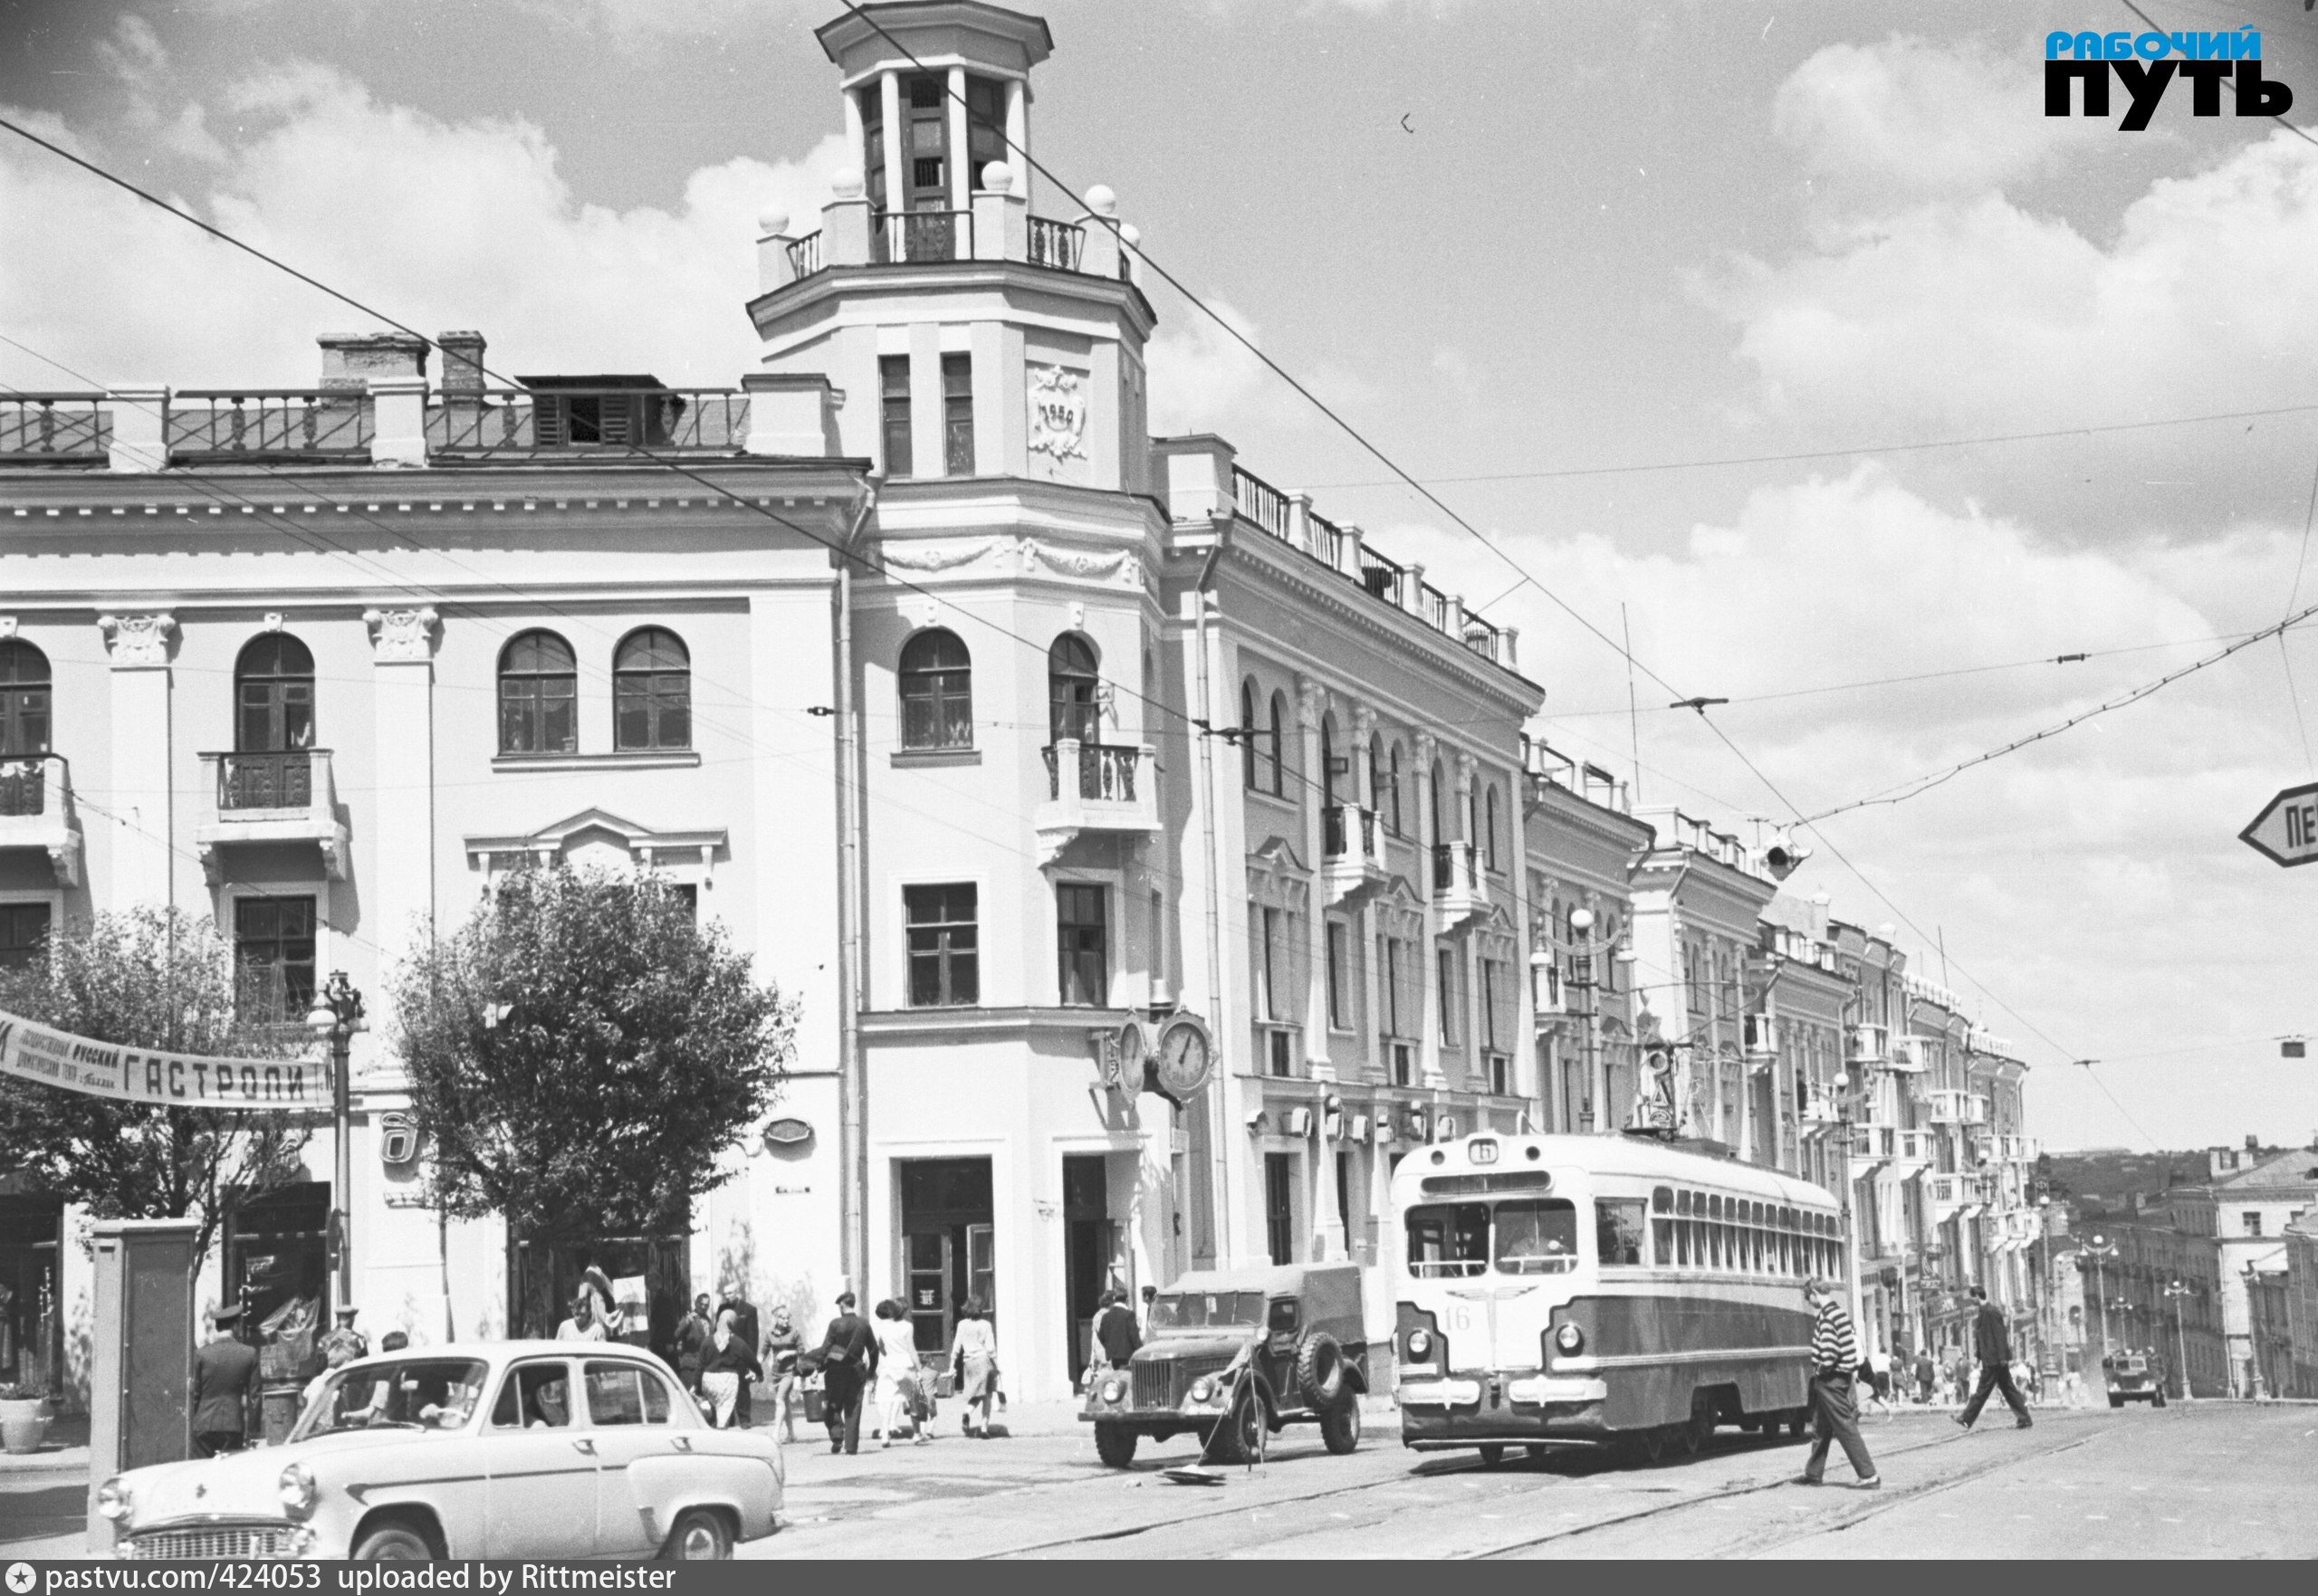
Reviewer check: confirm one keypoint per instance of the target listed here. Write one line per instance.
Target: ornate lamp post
(336, 1016)
(1581, 982)
(2179, 1290)
(2096, 1250)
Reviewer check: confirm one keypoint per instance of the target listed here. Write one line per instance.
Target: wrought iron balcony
(1459, 891)
(284, 425)
(36, 811)
(54, 429)
(280, 797)
(533, 424)
(1354, 849)
(1094, 786)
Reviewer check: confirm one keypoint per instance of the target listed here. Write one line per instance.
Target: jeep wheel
(1239, 1437)
(1340, 1425)
(1114, 1444)
(1320, 1370)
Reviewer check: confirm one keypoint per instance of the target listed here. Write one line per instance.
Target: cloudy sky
(1565, 264)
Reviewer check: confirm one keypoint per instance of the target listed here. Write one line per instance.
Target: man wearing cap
(849, 1357)
(344, 1336)
(223, 1369)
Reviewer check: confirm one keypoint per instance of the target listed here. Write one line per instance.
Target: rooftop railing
(1261, 502)
(268, 423)
(909, 237)
(54, 429)
(805, 255)
(1057, 244)
(556, 422)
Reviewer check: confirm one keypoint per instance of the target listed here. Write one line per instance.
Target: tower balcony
(1353, 852)
(1459, 890)
(36, 812)
(994, 224)
(279, 797)
(1094, 787)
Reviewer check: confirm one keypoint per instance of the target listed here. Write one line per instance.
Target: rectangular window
(1404, 1065)
(1339, 976)
(944, 948)
(1279, 1053)
(1448, 1242)
(1266, 967)
(1537, 1237)
(1391, 958)
(958, 415)
(273, 960)
(1081, 946)
(2253, 1224)
(22, 927)
(893, 380)
(1621, 1239)
(1500, 1075)
(1662, 1224)
(1446, 971)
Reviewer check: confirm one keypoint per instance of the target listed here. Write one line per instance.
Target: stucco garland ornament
(1058, 412)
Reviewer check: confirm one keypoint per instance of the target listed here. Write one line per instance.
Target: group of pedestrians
(1836, 1374)
(880, 1367)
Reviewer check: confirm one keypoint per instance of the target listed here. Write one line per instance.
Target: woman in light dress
(974, 1356)
(725, 1361)
(898, 1374)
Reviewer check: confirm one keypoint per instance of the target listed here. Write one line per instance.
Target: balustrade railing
(1348, 829)
(1261, 502)
(910, 236)
(25, 782)
(54, 429)
(805, 255)
(1328, 541)
(563, 421)
(1057, 244)
(292, 424)
(283, 780)
(1106, 771)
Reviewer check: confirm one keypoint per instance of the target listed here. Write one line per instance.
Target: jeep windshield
(420, 1393)
(1201, 1310)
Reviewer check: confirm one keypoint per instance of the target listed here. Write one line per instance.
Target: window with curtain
(539, 690)
(937, 691)
(651, 690)
(1073, 707)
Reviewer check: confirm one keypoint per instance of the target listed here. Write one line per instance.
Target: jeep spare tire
(1319, 1369)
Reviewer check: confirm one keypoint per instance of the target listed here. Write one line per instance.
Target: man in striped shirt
(1834, 1360)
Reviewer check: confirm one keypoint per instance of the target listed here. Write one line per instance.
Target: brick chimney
(462, 362)
(352, 360)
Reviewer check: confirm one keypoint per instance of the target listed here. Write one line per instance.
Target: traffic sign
(2287, 830)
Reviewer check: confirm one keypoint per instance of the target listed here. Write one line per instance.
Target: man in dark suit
(848, 1358)
(223, 1369)
(744, 1325)
(1116, 1335)
(1992, 1344)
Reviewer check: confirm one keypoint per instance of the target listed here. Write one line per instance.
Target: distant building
(2248, 1204)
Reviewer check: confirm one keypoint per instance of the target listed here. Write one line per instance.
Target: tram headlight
(1420, 1344)
(1570, 1339)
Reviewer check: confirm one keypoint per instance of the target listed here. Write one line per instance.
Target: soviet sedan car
(505, 1449)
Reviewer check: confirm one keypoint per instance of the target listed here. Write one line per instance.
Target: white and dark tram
(1610, 1288)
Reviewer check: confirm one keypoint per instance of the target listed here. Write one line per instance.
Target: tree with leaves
(148, 978)
(582, 1054)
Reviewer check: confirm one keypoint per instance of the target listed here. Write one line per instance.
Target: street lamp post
(2097, 1249)
(1848, 1212)
(2178, 1291)
(336, 1016)
(1581, 982)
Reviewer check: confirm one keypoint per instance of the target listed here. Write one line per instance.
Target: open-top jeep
(1235, 1353)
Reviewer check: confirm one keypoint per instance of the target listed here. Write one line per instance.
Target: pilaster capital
(1465, 766)
(401, 637)
(137, 641)
(1427, 745)
(1311, 701)
(1363, 721)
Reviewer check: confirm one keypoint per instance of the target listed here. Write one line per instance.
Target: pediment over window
(1278, 877)
(597, 837)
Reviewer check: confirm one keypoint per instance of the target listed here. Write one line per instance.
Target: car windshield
(416, 1393)
(1197, 1310)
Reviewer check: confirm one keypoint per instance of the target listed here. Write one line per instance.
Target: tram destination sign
(2287, 830)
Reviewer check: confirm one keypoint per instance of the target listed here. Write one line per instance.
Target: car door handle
(582, 1444)
(683, 1443)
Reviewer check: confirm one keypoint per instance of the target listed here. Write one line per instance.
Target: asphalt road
(2212, 1479)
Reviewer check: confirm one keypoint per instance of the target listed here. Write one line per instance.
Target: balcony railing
(1109, 793)
(1055, 243)
(266, 780)
(54, 429)
(1261, 502)
(23, 785)
(1348, 829)
(1105, 771)
(268, 423)
(36, 811)
(900, 237)
(560, 422)
(805, 255)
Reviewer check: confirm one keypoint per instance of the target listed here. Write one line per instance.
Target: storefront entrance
(542, 1279)
(32, 1334)
(948, 1246)
(277, 1266)
(1090, 1255)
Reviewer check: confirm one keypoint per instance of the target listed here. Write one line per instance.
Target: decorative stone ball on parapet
(998, 177)
(1099, 244)
(1101, 201)
(847, 183)
(845, 220)
(773, 223)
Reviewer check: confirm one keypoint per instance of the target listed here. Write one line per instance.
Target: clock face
(1183, 1059)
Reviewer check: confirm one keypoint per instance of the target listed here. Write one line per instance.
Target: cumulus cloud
(439, 224)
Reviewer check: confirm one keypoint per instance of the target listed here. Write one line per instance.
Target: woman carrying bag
(727, 1361)
(974, 1358)
(897, 1373)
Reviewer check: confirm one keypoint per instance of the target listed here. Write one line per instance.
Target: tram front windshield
(1448, 1241)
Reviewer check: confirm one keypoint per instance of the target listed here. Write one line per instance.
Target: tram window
(1448, 1241)
(1620, 1239)
(1661, 1233)
(1539, 1237)
(1662, 1199)
(1713, 1259)
(1786, 1262)
(1755, 1250)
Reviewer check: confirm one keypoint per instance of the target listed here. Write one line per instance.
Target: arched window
(937, 691)
(1394, 792)
(1328, 762)
(651, 690)
(23, 699)
(1073, 709)
(1489, 833)
(1279, 744)
(1248, 735)
(1376, 772)
(539, 690)
(1432, 803)
(274, 695)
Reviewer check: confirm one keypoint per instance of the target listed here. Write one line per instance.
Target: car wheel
(1492, 1454)
(1241, 1435)
(1319, 1369)
(394, 1543)
(699, 1536)
(1340, 1425)
(1114, 1444)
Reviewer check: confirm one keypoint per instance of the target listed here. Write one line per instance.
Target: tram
(1608, 1288)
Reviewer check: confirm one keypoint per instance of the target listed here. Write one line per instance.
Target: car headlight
(114, 1500)
(298, 1490)
(1203, 1388)
(1570, 1339)
(1420, 1344)
(1114, 1389)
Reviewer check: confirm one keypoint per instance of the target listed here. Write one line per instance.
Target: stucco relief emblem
(1057, 411)
(401, 636)
(138, 639)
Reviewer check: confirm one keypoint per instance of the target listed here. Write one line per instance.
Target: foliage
(150, 978)
(581, 1055)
